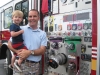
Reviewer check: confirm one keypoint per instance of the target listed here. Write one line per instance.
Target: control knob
(71, 46)
(54, 45)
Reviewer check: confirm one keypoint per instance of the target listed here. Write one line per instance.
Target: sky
(4, 2)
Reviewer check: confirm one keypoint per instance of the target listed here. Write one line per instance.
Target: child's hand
(22, 31)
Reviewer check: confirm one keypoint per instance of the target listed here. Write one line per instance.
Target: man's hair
(17, 13)
(35, 10)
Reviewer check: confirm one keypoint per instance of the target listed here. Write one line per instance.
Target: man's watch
(32, 52)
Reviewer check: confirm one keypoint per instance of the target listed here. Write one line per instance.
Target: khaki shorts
(28, 68)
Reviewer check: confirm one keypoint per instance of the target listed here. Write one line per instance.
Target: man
(36, 41)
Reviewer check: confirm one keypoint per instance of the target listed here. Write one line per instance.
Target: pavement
(2, 70)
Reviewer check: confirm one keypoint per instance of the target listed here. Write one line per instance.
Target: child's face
(17, 19)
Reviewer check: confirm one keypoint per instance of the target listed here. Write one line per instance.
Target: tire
(3, 52)
(8, 54)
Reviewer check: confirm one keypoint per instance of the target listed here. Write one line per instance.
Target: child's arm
(14, 34)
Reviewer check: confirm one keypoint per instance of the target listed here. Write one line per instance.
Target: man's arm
(11, 48)
(39, 51)
(25, 53)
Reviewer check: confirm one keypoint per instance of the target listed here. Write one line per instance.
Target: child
(17, 40)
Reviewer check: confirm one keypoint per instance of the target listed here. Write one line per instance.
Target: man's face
(33, 18)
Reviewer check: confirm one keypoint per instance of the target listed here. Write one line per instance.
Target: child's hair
(17, 13)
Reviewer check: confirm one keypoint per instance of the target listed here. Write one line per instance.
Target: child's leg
(20, 61)
(13, 60)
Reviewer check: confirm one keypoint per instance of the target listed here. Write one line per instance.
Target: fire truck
(72, 28)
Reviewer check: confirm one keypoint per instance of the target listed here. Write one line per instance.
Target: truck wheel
(3, 49)
(9, 71)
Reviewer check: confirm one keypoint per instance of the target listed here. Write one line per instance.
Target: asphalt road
(2, 70)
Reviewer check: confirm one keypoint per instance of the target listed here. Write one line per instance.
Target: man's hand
(17, 51)
(24, 53)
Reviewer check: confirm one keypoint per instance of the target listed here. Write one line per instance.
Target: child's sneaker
(17, 66)
(11, 67)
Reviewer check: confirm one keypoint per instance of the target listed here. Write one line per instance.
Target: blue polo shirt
(33, 39)
(16, 28)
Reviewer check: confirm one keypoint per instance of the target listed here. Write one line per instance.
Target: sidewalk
(2, 70)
